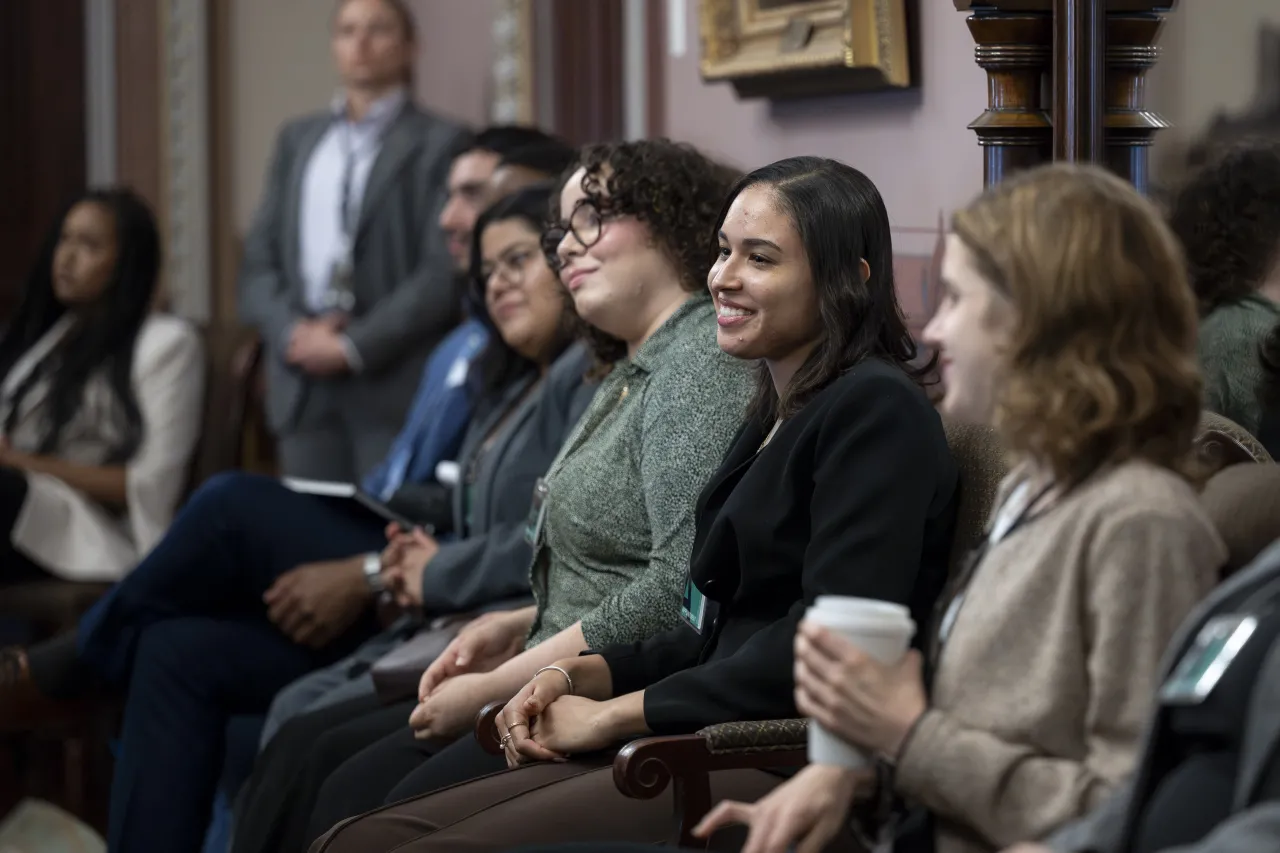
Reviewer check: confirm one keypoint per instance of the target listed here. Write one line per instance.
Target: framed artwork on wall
(798, 48)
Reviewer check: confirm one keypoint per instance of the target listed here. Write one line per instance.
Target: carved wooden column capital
(1015, 48)
(1131, 53)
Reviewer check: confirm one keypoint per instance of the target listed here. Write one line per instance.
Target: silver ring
(505, 740)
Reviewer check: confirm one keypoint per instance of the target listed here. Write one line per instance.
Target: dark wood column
(587, 69)
(1079, 79)
(42, 147)
(1015, 47)
(1131, 52)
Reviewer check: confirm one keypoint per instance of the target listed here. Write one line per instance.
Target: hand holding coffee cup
(856, 679)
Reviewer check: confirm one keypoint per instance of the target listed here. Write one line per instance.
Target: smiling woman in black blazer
(840, 483)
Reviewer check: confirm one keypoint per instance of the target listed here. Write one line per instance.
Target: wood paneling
(139, 71)
(42, 148)
(587, 69)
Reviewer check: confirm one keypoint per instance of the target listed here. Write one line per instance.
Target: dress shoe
(23, 707)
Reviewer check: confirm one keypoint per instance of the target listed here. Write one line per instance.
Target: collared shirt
(439, 416)
(322, 235)
(621, 496)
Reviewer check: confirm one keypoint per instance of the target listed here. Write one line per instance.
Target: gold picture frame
(797, 48)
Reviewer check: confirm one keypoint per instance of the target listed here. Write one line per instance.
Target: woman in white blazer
(100, 400)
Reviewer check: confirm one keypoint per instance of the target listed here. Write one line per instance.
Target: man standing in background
(345, 274)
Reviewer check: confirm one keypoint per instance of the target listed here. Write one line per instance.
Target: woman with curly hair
(1067, 324)
(1228, 219)
(840, 484)
(612, 523)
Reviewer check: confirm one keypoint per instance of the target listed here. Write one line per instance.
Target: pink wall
(915, 145)
(455, 57)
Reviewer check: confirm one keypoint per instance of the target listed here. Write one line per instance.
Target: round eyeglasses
(586, 223)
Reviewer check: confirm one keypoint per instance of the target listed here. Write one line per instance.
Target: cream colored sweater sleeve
(1144, 571)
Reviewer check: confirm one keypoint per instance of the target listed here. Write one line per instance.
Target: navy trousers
(187, 639)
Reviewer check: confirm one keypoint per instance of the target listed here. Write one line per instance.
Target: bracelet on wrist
(562, 671)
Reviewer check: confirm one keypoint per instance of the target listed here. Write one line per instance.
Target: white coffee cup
(880, 629)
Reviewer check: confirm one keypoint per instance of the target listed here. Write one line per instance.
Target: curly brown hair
(671, 187)
(1101, 367)
(1227, 216)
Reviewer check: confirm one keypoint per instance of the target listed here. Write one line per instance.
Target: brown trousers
(538, 804)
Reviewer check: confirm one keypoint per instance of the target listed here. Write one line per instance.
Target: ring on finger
(506, 739)
(513, 725)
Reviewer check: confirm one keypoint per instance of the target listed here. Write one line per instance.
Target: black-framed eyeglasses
(586, 223)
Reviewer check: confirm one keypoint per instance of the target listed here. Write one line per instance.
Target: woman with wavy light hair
(1066, 323)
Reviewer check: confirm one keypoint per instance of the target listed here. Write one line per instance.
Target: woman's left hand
(855, 696)
(572, 725)
(451, 708)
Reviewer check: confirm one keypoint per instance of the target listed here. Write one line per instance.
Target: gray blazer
(406, 293)
(491, 564)
(1250, 829)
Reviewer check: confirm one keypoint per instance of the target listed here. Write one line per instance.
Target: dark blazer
(405, 289)
(855, 495)
(491, 563)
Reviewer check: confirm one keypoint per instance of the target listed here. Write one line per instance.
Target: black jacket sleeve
(875, 475)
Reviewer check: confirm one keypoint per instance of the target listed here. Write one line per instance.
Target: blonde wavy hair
(1101, 367)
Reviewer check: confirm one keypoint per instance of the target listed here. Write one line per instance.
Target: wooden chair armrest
(487, 728)
(644, 768)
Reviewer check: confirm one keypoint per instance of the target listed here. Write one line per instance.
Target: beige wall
(915, 145)
(280, 69)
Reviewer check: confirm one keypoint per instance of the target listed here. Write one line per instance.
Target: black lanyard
(949, 604)
(346, 220)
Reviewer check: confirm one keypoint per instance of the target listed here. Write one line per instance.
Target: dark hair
(105, 338)
(550, 157)
(502, 139)
(672, 188)
(1227, 217)
(841, 218)
(500, 365)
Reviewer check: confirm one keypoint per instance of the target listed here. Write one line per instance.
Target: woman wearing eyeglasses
(612, 523)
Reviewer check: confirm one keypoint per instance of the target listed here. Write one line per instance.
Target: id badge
(534, 527)
(342, 294)
(1203, 665)
(693, 609)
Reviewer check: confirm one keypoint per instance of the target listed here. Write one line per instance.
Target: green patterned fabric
(620, 512)
(1228, 352)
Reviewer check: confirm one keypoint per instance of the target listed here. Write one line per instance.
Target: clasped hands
(316, 346)
(546, 722)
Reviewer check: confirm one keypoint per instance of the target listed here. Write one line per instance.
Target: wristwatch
(373, 573)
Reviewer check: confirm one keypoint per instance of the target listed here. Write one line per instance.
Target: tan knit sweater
(1046, 680)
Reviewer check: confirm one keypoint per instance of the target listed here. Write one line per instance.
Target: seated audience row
(670, 519)
(1096, 552)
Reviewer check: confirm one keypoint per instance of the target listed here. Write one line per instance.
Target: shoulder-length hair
(498, 364)
(841, 220)
(103, 340)
(1101, 367)
(673, 188)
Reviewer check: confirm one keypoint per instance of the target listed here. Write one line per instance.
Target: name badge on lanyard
(693, 609)
(535, 527)
(1203, 665)
(1012, 514)
(341, 295)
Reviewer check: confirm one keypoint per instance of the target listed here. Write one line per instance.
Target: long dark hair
(499, 365)
(840, 217)
(104, 338)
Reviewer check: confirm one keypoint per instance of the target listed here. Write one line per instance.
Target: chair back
(1221, 442)
(228, 392)
(981, 459)
(1243, 502)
